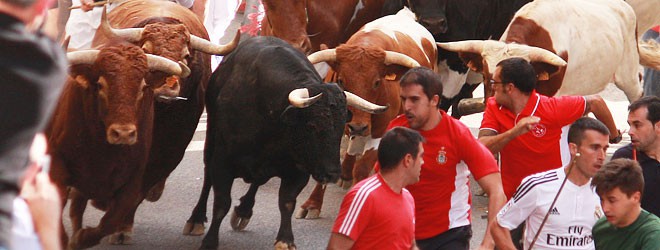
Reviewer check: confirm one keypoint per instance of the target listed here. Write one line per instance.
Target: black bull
(451, 21)
(257, 131)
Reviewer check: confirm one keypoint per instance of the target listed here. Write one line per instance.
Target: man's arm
(492, 184)
(495, 142)
(340, 241)
(502, 236)
(595, 104)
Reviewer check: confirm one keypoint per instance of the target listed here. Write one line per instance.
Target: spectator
(442, 196)
(570, 220)
(379, 212)
(626, 224)
(32, 72)
(644, 132)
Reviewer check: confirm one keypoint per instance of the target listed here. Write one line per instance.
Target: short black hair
(425, 77)
(577, 129)
(626, 174)
(395, 144)
(520, 72)
(652, 104)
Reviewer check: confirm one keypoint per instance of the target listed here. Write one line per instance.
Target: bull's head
(431, 14)
(171, 40)
(483, 56)
(287, 19)
(370, 73)
(115, 78)
(320, 119)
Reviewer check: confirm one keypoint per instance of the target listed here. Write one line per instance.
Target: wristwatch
(618, 138)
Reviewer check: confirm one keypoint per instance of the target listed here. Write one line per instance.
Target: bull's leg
(124, 205)
(156, 191)
(347, 165)
(195, 224)
(290, 187)
(311, 209)
(221, 204)
(243, 212)
(124, 235)
(364, 166)
(77, 209)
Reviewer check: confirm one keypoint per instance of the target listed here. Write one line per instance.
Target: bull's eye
(377, 83)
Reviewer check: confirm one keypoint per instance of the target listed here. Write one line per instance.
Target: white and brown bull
(169, 30)
(370, 65)
(101, 132)
(595, 40)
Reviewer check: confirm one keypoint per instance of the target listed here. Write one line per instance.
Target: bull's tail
(649, 54)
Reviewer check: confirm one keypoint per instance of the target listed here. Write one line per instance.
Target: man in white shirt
(572, 217)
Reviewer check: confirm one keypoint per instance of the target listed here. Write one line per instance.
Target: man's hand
(45, 206)
(525, 125)
(86, 5)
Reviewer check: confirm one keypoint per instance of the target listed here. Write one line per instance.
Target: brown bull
(101, 131)
(370, 65)
(174, 32)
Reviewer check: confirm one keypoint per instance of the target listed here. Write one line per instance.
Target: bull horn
(470, 46)
(130, 34)
(392, 57)
(166, 65)
(82, 57)
(207, 47)
(299, 98)
(326, 55)
(364, 105)
(542, 55)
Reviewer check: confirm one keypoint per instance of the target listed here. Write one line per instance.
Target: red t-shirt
(376, 217)
(542, 148)
(442, 196)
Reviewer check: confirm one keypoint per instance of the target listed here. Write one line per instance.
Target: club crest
(442, 156)
(539, 130)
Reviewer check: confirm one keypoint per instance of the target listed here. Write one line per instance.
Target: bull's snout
(360, 129)
(122, 134)
(435, 25)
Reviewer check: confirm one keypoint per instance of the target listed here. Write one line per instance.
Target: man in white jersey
(577, 208)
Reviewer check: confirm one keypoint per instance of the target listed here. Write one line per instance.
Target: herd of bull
(131, 105)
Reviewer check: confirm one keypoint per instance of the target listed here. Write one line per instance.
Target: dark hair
(20, 3)
(425, 77)
(520, 72)
(576, 131)
(626, 174)
(652, 103)
(395, 144)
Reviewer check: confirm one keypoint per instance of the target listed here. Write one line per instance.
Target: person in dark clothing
(32, 73)
(643, 118)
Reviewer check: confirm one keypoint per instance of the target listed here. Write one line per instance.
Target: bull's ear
(544, 71)
(474, 61)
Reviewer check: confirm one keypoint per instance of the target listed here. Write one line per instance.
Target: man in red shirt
(378, 212)
(442, 196)
(526, 127)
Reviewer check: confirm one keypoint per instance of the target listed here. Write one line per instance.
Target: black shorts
(453, 239)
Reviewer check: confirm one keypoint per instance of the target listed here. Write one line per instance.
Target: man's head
(620, 185)
(421, 89)
(643, 118)
(512, 74)
(401, 146)
(588, 140)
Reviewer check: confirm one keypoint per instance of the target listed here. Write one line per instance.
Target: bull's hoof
(284, 246)
(193, 229)
(308, 213)
(345, 184)
(121, 238)
(155, 192)
(238, 223)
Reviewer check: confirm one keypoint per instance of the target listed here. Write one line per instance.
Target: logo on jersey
(442, 156)
(554, 211)
(539, 130)
(598, 213)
